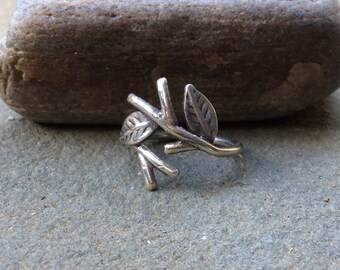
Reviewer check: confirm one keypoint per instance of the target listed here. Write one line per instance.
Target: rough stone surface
(76, 61)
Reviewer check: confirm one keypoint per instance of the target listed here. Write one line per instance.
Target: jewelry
(201, 135)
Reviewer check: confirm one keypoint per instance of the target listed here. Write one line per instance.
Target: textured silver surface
(200, 114)
(136, 128)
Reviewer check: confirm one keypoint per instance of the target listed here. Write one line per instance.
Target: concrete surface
(73, 198)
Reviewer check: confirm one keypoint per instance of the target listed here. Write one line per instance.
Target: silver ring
(201, 132)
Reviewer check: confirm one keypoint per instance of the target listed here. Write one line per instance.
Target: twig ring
(201, 134)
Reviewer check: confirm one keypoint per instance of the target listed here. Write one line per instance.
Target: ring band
(201, 132)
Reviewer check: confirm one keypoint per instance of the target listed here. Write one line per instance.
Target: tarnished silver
(202, 124)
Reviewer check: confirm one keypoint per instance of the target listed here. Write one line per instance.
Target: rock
(76, 61)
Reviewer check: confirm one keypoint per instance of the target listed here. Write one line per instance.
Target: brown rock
(76, 61)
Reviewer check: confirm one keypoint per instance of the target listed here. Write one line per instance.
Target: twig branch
(178, 147)
(148, 173)
(156, 162)
(180, 133)
(165, 100)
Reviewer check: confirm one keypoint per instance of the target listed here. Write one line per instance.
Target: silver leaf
(200, 115)
(136, 128)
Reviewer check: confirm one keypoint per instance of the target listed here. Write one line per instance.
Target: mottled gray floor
(73, 197)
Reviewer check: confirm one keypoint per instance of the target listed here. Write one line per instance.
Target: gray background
(74, 197)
